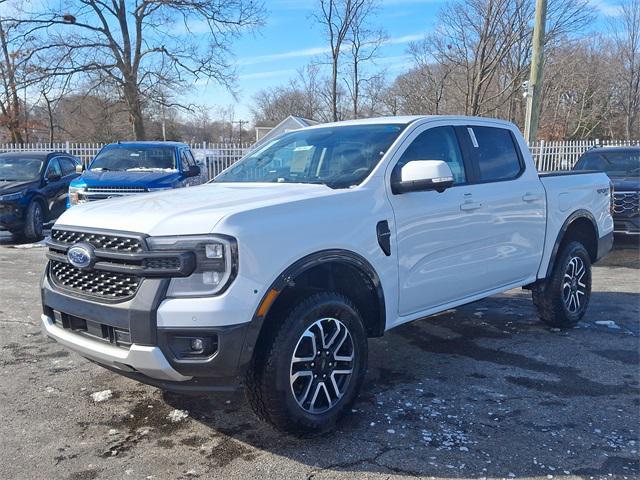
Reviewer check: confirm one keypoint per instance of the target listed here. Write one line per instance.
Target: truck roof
(150, 143)
(628, 148)
(407, 119)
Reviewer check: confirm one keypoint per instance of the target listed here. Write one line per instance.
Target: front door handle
(470, 206)
(530, 197)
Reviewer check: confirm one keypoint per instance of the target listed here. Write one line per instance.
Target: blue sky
(290, 39)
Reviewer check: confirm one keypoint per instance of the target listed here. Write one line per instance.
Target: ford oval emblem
(80, 255)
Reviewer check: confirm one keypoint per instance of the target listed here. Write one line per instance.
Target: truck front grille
(118, 243)
(626, 203)
(116, 190)
(94, 282)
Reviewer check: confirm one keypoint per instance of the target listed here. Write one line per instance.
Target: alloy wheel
(322, 365)
(574, 287)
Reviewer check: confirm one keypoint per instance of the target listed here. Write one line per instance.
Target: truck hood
(184, 211)
(626, 184)
(150, 179)
(15, 186)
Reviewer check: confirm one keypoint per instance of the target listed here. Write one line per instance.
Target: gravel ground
(481, 391)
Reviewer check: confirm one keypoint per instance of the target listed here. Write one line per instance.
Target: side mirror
(421, 175)
(194, 171)
(79, 168)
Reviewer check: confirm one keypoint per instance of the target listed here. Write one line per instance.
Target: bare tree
(12, 65)
(337, 18)
(365, 43)
(141, 46)
(626, 35)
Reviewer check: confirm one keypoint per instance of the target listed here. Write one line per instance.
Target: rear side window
(68, 166)
(497, 155)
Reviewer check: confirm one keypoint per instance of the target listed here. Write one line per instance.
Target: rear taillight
(611, 200)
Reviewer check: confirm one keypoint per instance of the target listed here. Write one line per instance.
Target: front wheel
(562, 299)
(34, 221)
(309, 374)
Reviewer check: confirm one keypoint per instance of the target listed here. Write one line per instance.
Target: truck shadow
(482, 391)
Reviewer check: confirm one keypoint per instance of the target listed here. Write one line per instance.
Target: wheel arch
(42, 200)
(580, 226)
(341, 270)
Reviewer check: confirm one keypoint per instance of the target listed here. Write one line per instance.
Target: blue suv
(127, 168)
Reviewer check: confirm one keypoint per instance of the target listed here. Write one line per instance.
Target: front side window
(18, 168)
(54, 169)
(439, 143)
(339, 157)
(134, 158)
(497, 155)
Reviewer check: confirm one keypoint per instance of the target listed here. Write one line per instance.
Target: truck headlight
(10, 197)
(76, 195)
(216, 263)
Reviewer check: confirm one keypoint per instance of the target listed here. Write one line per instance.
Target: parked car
(33, 190)
(127, 168)
(275, 274)
(622, 164)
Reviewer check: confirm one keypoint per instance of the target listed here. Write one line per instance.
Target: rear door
(512, 203)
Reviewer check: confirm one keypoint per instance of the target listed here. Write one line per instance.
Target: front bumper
(91, 328)
(624, 225)
(11, 216)
(144, 359)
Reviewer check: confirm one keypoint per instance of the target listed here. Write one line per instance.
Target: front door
(441, 245)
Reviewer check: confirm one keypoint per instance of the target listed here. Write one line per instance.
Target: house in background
(264, 134)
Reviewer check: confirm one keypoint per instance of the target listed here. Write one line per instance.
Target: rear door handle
(470, 206)
(530, 197)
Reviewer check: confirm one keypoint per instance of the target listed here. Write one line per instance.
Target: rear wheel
(309, 374)
(562, 299)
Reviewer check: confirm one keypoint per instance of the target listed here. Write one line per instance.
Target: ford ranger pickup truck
(274, 275)
(128, 168)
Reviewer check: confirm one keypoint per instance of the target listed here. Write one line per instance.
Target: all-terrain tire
(562, 299)
(271, 392)
(34, 221)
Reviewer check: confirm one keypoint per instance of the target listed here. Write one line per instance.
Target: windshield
(338, 157)
(614, 164)
(132, 159)
(19, 169)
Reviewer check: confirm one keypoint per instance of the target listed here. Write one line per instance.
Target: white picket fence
(563, 155)
(548, 156)
(214, 156)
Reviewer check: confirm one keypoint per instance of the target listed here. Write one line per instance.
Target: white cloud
(310, 52)
(405, 39)
(607, 8)
(306, 52)
(268, 74)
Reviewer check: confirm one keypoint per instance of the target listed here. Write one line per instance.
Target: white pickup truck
(274, 275)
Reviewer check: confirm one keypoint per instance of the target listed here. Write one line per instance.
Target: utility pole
(240, 124)
(535, 77)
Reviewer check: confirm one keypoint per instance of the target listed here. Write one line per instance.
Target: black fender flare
(287, 277)
(563, 230)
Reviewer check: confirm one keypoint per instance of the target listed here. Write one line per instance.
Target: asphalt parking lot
(481, 391)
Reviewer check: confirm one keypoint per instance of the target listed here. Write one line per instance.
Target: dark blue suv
(127, 168)
(33, 190)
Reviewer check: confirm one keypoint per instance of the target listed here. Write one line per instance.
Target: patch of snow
(391, 430)
(177, 415)
(102, 396)
(608, 323)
